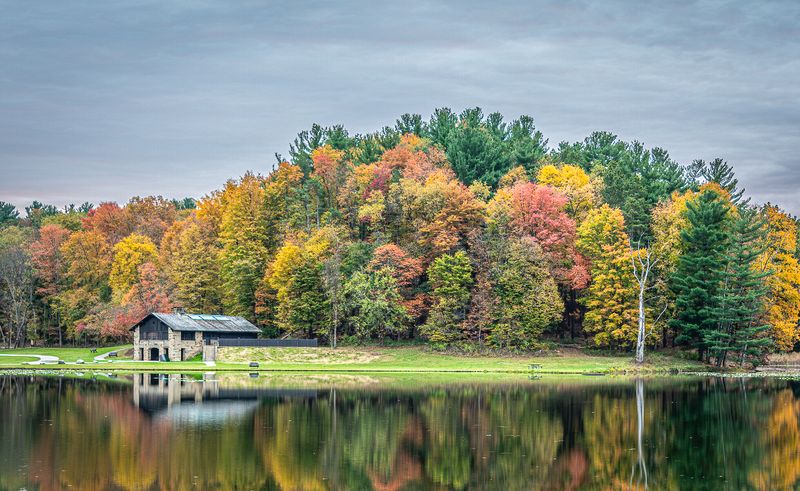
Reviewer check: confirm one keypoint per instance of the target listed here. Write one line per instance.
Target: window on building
(188, 335)
(153, 330)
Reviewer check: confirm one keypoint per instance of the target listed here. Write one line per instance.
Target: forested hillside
(461, 230)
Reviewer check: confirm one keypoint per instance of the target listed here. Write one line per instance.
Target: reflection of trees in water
(780, 462)
(515, 436)
(640, 470)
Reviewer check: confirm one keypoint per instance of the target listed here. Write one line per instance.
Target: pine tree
(701, 270)
(743, 291)
(475, 150)
(720, 172)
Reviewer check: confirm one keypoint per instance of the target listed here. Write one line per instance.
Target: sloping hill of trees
(462, 229)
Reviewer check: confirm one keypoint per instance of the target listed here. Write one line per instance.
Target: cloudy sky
(106, 100)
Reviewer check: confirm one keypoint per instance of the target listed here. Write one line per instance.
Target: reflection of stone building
(153, 391)
(183, 398)
(180, 336)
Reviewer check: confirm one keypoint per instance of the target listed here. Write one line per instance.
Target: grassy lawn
(66, 354)
(373, 360)
(419, 359)
(17, 360)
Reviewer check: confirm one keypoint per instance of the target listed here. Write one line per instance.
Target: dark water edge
(324, 431)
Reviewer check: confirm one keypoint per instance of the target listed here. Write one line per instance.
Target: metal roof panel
(204, 322)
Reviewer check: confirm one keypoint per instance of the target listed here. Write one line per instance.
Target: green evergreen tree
(38, 211)
(410, 123)
(720, 172)
(527, 145)
(8, 214)
(476, 150)
(442, 123)
(742, 293)
(598, 149)
(635, 179)
(698, 280)
(637, 182)
(305, 143)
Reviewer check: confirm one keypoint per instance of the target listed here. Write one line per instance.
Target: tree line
(462, 230)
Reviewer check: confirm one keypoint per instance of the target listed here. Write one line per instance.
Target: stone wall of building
(210, 351)
(172, 346)
(136, 354)
(190, 348)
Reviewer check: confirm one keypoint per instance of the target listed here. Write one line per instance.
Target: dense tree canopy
(460, 228)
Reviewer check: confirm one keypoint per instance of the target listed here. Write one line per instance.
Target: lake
(413, 432)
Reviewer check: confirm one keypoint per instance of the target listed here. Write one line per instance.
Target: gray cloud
(105, 100)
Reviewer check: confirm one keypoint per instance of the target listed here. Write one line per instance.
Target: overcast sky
(101, 101)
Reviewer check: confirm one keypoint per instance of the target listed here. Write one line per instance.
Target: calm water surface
(360, 432)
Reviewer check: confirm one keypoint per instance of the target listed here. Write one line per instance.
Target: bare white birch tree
(643, 263)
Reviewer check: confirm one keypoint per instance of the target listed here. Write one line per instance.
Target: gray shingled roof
(205, 323)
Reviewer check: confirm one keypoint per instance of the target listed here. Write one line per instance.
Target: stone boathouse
(180, 336)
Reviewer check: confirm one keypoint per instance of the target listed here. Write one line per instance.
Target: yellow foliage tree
(283, 202)
(189, 257)
(574, 183)
(437, 214)
(244, 237)
(296, 278)
(669, 218)
(514, 176)
(611, 299)
(783, 304)
(331, 168)
(129, 253)
(88, 259)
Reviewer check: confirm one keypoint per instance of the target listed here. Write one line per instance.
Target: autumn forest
(463, 231)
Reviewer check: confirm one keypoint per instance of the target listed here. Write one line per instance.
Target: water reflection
(176, 432)
(202, 399)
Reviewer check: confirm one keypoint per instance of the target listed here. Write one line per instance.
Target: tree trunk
(640, 335)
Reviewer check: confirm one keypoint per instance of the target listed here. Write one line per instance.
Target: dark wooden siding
(276, 343)
(152, 329)
(230, 335)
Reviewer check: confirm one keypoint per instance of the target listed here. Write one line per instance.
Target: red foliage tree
(150, 216)
(538, 212)
(47, 258)
(148, 295)
(407, 271)
(404, 268)
(110, 221)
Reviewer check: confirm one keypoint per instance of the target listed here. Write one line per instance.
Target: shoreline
(374, 360)
(318, 370)
(311, 371)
